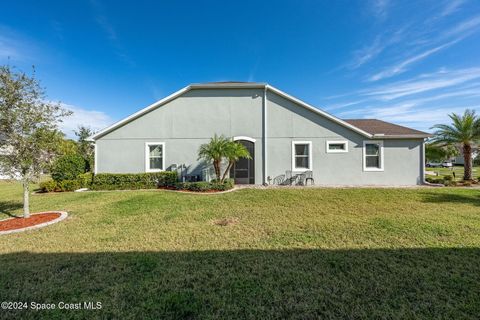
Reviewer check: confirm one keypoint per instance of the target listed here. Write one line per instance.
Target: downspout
(265, 155)
(422, 169)
(95, 158)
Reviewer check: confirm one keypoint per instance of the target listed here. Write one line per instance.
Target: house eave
(259, 85)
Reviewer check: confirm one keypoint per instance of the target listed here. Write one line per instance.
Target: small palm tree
(214, 152)
(464, 131)
(235, 152)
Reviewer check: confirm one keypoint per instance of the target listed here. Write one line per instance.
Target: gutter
(404, 136)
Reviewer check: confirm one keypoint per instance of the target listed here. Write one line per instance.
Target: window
(301, 155)
(154, 156)
(337, 146)
(373, 155)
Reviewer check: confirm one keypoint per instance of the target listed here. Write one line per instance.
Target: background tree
(464, 131)
(436, 152)
(86, 147)
(28, 127)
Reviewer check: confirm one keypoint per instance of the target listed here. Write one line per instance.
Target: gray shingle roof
(374, 126)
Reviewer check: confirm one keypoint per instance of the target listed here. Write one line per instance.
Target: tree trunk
(230, 164)
(216, 165)
(26, 199)
(467, 162)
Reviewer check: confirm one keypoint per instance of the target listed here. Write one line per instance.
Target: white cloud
(464, 28)
(95, 120)
(367, 53)
(402, 66)
(7, 49)
(451, 6)
(380, 8)
(344, 104)
(452, 36)
(423, 83)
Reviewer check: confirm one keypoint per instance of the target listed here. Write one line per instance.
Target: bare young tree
(28, 128)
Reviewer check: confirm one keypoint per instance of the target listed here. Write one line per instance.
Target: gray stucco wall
(287, 122)
(193, 118)
(183, 125)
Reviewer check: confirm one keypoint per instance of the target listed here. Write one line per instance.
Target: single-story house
(459, 160)
(284, 135)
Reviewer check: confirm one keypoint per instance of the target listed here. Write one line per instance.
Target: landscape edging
(63, 215)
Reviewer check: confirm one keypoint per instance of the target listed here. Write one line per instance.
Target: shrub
(48, 186)
(434, 179)
(68, 185)
(219, 186)
(203, 186)
(114, 181)
(68, 167)
(200, 186)
(60, 186)
(85, 179)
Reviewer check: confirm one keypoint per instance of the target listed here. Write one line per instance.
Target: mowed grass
(289, 253)
(458, 170)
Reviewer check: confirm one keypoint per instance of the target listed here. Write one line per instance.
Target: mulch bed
(190, 191)
(33, 220)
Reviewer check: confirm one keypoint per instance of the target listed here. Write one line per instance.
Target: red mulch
(19, 223)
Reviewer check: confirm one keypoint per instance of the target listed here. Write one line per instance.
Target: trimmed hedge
(111, 181)
(84, 180)
(114, 181)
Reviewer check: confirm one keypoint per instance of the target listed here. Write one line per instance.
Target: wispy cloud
(423, 83)
(464, 28)
(110, 32)
(380, 8)
(367, 53)
(8, 49)
(15, 47)
(422, 119)
(454, 35)
(342, 105)
(94, 119)
(451, 6)
(403, 66)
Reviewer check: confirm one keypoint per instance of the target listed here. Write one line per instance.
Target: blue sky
(409, 62)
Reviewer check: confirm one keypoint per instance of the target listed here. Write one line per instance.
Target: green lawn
(458, 172)
(290, 253)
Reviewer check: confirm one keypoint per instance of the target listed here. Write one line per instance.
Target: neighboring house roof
(252, 85)
(378, 127)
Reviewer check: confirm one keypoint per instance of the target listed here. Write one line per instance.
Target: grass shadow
(473, 199)
(248, 284)
(6, 207)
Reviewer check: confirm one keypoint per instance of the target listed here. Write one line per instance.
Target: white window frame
(147, 156)
(310, 155)
(380, 144)
(328, 143)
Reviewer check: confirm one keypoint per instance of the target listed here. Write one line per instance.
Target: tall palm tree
(214, 152)
(235, 151)
(464, 131)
